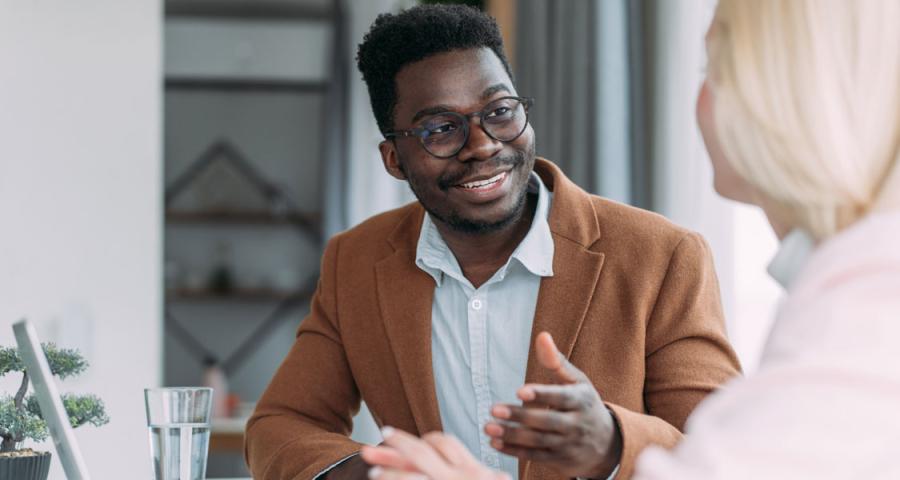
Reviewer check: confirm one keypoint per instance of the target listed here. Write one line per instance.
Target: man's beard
(475, 227)
(470, 226)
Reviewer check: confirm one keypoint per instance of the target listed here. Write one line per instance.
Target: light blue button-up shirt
(480, 337)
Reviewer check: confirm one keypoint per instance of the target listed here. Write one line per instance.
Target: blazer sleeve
(303, 420)
(687, 354)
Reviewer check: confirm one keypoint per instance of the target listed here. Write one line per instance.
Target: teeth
(482, 183)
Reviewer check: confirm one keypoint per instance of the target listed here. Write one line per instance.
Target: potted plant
(20, 415)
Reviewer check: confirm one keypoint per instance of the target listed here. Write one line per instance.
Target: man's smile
(484, 190)
(482, 181)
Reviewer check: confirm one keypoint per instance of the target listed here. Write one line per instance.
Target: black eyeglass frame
(526, 102)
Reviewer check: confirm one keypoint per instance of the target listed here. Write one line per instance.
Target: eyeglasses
(445, 134)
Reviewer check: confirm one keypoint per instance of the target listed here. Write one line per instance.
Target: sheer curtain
(615, 83)
(573, 57)
(369, 189)
(356, 184)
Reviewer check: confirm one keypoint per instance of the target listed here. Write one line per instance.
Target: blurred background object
(172, 168)
(252, 92)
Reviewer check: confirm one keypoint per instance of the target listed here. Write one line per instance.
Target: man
(434, 313)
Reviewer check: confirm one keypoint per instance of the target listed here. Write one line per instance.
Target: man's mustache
(474, 168)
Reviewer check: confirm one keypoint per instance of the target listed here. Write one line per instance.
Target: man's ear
(391, 159)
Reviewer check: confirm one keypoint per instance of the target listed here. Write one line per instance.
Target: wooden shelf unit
(238, 84)
(249, 10)
(237, 295)
(307, 220)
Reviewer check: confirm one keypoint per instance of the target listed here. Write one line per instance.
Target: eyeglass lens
(445, 134)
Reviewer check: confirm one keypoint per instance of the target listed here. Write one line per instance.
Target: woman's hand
(435, 456)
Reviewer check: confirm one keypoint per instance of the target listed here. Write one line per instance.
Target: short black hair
(396, 40)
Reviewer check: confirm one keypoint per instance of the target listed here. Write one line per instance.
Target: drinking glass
(178, 419)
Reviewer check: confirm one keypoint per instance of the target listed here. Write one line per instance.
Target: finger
(552, 359)
(450, 448)
(422, 455)
(379, 473)
(536, 455)
(566, 398)
(386, 457)
(535, 418)
(516, 435)
(547, 353)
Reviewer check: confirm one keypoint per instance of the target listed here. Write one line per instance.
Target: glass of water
(179, 431)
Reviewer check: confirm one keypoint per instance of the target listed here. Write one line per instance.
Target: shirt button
(476, 304)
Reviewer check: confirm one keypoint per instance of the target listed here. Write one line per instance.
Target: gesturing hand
(435, 456)
(565, 425)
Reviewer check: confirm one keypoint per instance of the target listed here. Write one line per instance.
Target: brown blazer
(634, 303)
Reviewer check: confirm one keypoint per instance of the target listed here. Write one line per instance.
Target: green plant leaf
(64, 362)
(17, 424)
(81, 409)
(10, 361)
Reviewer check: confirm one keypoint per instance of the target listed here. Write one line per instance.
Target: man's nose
(480, 145)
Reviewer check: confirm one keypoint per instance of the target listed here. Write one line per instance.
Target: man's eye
(500, 112)
(442, 128)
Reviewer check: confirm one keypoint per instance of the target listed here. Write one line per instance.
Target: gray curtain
(584, 62)
(335, 123)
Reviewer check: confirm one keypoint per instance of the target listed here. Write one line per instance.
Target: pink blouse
(825, 402)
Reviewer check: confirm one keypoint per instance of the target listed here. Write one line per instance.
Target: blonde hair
(807, 105)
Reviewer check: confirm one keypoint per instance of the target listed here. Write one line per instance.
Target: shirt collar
(534, 252)
(793, 253)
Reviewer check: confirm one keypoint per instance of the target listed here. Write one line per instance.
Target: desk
(227, 435)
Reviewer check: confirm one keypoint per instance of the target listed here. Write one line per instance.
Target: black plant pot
(32, 467)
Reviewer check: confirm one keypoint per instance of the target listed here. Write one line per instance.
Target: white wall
(80, 225)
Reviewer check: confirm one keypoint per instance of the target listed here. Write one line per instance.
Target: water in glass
(179, 450)
(179, 422)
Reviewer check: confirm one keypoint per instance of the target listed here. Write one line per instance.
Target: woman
(801, 116)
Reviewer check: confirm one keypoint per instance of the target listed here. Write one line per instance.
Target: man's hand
(564, 425)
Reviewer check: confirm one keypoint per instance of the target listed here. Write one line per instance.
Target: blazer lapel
(405, 296)
(564, 298)
(563, 301)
